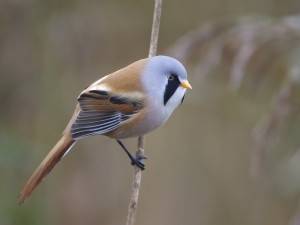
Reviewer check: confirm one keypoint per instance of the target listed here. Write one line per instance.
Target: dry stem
(264, 131)
(132, 208)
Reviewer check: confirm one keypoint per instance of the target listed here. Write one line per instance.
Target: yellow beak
(186, 84)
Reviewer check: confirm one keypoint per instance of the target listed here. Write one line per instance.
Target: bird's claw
(138, 161)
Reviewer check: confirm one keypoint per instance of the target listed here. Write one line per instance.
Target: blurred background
(228, 156)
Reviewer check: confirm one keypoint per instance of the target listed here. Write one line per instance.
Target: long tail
(53, 157)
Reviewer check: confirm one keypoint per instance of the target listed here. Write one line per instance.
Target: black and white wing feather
(102, 112)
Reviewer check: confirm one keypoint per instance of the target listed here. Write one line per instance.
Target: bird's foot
(138, 161)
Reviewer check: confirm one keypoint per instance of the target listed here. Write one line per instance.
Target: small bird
(127, 103)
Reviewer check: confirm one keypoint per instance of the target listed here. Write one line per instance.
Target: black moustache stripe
(182, 99)
(171, 87)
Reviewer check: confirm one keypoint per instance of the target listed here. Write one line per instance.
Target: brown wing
(102, 112)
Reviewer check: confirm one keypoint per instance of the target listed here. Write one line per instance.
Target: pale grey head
(164, 78)
(166, 66)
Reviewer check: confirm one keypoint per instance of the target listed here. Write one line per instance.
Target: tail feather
(53, 157)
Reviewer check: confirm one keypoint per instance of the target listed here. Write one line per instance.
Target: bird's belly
(140, 125)
(151, 119)
(155, 115)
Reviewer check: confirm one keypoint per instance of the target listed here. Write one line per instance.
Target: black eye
(171, 77)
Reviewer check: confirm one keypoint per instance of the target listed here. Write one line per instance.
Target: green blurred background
(198, 171)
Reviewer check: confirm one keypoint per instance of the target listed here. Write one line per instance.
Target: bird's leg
(137, 161)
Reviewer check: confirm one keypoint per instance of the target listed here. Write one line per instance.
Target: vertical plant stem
(132, 208)
(155, 28)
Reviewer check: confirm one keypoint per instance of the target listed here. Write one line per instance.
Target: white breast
(158, 113)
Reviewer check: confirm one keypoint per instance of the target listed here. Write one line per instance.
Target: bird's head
(166, 75)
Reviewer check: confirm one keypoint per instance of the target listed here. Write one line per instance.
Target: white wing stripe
(91, 127)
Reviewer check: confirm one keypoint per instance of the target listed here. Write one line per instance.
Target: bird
(127, 103)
